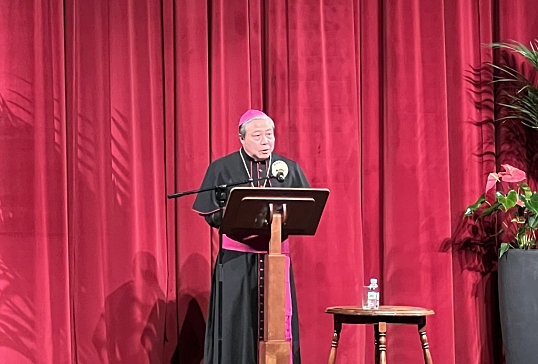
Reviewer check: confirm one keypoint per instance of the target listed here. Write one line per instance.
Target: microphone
(279, 170)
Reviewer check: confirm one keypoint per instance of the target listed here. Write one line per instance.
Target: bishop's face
(259, 140)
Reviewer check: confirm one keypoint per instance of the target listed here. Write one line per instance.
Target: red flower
(512, 174)
(493, 178)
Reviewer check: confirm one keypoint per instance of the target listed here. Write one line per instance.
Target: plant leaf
(503, 249)
(508, 201)
(472, 208)
(531, 202)
(530, 54)
(533, 221)
(526, 189)
(522, 104)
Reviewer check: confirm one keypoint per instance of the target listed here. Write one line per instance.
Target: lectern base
(274, 352)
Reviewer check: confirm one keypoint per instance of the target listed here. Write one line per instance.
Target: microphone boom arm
(279, 177)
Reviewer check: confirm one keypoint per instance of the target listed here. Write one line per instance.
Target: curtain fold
(107, 106)
(313, 98)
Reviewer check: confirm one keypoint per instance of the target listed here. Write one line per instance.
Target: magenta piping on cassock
(230, 244)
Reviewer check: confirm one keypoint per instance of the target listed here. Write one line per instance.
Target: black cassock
(239, 274)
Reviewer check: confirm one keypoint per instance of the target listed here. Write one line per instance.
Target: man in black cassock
(241, 256)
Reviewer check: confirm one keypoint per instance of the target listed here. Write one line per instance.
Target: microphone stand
(215, 188)
(221, 195)
(222, 188)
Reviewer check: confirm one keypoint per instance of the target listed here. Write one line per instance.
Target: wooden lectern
(274, 211)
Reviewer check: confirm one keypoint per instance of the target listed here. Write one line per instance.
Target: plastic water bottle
(373, 295)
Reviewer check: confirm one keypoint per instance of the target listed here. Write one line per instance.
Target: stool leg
(425, 345)
(336, 338)
(380, 343)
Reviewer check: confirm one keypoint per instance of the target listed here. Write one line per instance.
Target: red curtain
(107, 106)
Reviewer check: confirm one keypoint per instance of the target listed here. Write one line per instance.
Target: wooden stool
(380, 318)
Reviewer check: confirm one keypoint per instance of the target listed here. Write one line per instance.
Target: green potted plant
(512, 210)
(515, 205)
(515, 209)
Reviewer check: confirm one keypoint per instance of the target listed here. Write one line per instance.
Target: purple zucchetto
(251, 115)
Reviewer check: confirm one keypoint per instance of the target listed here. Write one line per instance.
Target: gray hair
(243, 127)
